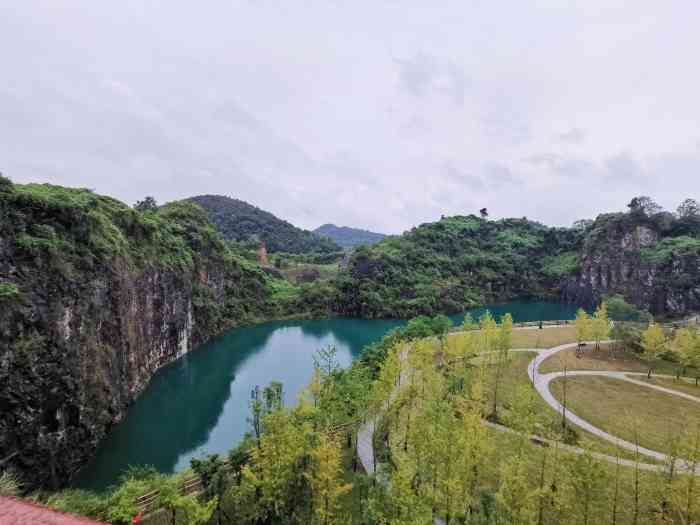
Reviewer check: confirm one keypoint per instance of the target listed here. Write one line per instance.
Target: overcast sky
(376, 114)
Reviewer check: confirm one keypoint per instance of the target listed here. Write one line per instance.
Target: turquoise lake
(198, 405)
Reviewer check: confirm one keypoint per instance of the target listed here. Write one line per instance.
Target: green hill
(456, 263)
(348, 237)
(239, 221)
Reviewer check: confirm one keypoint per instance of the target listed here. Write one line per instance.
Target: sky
(374, 114)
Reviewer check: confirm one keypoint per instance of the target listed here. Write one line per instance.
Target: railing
(193, 484)
(527, 324)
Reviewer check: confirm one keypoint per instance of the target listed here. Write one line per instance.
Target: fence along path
(193, 484)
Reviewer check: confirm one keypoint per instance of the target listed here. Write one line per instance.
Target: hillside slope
(456, 263)
(652, 259)
(348, 237)
(239, 221)
(94, 298)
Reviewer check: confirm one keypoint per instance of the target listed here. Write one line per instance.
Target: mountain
(348, 237)
(94, 298)
(239, 221)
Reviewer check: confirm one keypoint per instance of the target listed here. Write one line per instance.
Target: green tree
(654, 344)
(501, 342)
(326, 482)
(600, 325)
(586, 483)
(582, 325)
(147, 204)
(686, 344)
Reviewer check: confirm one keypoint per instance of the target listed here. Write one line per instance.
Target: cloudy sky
(377, 114)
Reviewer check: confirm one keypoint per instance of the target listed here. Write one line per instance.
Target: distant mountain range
(239, 221)
(348, 237)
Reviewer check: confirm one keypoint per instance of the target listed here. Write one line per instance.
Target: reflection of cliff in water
(184, 401)
(199, 404)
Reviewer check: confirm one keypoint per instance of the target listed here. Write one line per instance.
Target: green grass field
(616, 406)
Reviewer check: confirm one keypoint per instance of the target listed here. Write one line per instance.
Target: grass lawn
(533, 338)
(684, 384)
(603, 359)
(326, 271)
(613, 405)
(545, 338)
(514, 376)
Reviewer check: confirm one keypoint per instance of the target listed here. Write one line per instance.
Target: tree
(501, 343)
(600, 325)
(582, 325)
(621, 310)
(326, 480)
(689, 208)
(644, 205)
(686, 344)
(684, 492)
(654, 344)
(484, 213)
(586, 486)
(582, 224)
(325, 359)
(147, 204)
(441, 325)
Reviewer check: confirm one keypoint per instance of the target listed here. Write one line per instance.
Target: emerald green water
(198, 405)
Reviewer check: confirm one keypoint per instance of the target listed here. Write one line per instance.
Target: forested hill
(648, 255)
(456, 263)
(239, 221)
(348, 237)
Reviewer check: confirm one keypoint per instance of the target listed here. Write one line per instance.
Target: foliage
(621, 310)
(562, 265)
(456, 263)
(665, 250)
(240, 221)
(147, 204)
(583, 325)
(654, 345)
(10, 484)
(9, 291)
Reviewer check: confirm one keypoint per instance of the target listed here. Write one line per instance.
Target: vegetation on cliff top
(456, 263)
(239, 221)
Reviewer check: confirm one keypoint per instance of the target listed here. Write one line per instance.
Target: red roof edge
(12, 510)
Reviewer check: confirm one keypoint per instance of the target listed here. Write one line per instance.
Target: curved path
(365, 448)
(542, 381)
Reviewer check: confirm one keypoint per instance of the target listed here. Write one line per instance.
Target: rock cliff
(652, 262)
(94, 298)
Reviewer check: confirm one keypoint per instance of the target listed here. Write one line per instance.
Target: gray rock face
(613, 262)
(81, 352)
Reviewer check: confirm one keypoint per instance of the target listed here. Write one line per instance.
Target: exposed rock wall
(81, 355)
(88, 327)
(618, 258)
